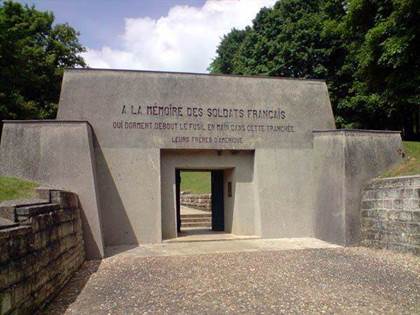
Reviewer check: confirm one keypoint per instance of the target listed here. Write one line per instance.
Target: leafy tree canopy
(33, 54)
(384, 41)
(364, 49)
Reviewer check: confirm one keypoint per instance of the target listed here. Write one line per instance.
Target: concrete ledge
(393, 181)
(194, 74)
(50, 121)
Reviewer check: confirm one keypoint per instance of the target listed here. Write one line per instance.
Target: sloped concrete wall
(345, 160)
(60, 154)
(329, 194)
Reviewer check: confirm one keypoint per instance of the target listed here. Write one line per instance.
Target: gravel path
(342, 280)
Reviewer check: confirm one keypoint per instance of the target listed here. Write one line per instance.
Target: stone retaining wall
(199, 201)
(390, 214)
(39, 251)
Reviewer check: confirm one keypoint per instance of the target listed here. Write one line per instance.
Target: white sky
(185, 39)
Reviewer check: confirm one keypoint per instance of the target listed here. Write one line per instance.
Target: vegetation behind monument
(366, 50)
(33, 54)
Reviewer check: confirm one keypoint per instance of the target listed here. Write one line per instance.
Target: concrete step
(195, 219)
(196, 224)
(193, 216)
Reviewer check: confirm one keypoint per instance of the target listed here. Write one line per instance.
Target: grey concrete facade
(258, 130)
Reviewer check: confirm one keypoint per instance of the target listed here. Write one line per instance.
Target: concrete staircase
(196, 221)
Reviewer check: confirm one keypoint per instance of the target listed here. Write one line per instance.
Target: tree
(295, 38)
(33, 55)
(226, 52)
(366, 50)
(385, 42)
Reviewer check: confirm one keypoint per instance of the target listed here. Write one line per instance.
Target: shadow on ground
(118, 249)
(72, 289)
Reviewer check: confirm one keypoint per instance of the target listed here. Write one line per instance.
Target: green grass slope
(15, 188)
(196, 182)
(411, 163)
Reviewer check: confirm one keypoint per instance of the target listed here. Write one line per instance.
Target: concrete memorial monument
(120, 138)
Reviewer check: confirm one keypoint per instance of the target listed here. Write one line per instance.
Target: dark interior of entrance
(193, 216)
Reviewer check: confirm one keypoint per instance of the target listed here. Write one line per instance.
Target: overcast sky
(166, 35)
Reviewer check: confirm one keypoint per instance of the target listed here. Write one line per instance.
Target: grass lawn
(196, 182)
(411, 162)
(14, 188)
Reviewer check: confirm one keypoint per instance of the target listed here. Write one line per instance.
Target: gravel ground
(343, 280)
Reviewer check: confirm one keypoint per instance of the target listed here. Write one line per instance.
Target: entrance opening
(228, 174)
(199, 201)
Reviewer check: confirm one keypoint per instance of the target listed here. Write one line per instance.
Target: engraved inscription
(210, 122)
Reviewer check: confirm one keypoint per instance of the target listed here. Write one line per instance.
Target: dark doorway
(178, 199)
(188, 216)
(217, 201)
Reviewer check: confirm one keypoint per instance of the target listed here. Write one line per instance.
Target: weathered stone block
(414, 239)
(408, 193)
(368, 204)
(416, 216)
(7, 212)
(65, 229)
(397, 204)
(411, 204)
(43, 193)
(368, 194)
(64, 198)
(405, 216)
(397, 226)
(393, 193)
(32, 210)
(388, 204)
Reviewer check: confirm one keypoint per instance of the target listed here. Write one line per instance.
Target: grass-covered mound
(15, 188)
(196, 182)
(411, 163)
